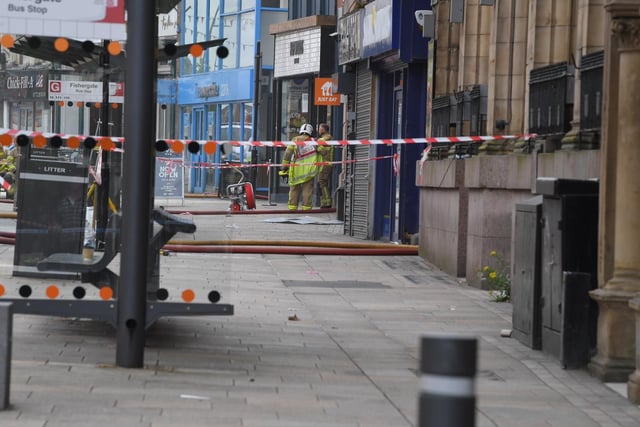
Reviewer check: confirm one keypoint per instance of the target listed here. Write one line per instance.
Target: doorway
(198, 176)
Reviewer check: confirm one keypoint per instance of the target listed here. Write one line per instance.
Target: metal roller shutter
(357, 188)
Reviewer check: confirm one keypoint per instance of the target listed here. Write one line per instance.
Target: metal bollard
(447, 384)
(6, 328)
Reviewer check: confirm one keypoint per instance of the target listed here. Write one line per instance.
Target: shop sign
(377, 28)
(24, 85)
(85, 91)
(218, 86)
(349, 29)
(64, 18)
(325, 92)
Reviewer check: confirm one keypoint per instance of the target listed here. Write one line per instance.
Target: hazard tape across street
(7, 136)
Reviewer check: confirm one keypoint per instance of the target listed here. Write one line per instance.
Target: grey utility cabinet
(525, 283)
(569, 268)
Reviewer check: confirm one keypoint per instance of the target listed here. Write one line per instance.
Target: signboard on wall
(377, 28)
(73, 90)
(24, 85)
(349, 29)
(81, 19)
(326, 91)
(218, 86)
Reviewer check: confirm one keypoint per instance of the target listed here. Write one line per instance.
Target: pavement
(315, 340)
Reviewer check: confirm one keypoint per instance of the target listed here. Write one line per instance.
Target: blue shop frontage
(383, 51)
(215, 106)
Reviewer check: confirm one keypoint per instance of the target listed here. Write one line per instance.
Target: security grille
(440, 112)
(551, 99)
(591, 69)
(357, 188)
(479, 110)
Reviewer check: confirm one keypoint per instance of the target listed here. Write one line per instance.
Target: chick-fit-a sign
(325, 92)
(64, 18)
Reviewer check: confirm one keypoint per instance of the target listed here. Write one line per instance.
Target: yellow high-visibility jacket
(304, 159)
(326, 151)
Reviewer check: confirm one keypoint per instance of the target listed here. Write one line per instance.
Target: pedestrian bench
(93, 270)
(96, 270)
(171, 224)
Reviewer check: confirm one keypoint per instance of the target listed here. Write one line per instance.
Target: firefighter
(324, 175)
(300, 163)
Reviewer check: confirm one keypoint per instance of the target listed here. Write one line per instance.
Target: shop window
(230, 32)
(247, 38)
(214, 32)
(231, 6)
(295, 107)
(282, 4)
(296, 48)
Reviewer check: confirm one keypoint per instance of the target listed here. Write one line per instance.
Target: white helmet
(306, 129)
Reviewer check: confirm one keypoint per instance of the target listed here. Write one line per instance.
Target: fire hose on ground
(281, 247)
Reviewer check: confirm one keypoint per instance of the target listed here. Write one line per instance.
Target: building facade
(563, 73)
(216, 96)
(383, 72)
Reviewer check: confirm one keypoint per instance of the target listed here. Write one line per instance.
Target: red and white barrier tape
(5, 184)
(210, 165)
(13, 133)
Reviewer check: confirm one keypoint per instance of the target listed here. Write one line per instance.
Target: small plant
(498, 278)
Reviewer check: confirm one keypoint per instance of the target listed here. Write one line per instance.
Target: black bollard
(447, 385)
(6, 333)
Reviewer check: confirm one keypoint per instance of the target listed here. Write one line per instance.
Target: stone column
(589, 38)
(616, 323)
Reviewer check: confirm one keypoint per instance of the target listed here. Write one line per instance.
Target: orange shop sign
(325, 91)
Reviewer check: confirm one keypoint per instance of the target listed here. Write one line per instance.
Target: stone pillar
(589, 38)
(616, 325)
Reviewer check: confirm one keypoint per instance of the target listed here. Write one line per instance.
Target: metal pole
(102, 200)
(138, 161)
(257, 72)
(447, 387)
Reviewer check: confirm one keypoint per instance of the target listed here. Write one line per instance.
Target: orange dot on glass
(39, 141)
(97, 105)
(106, 293)
(114, 106)
(73, 142)
(7, 41)
(196, 50)
(114, 48)
(52, 292)
(210, 147)
(61, 44)
(5, 139)
(2, 290)
(106, 144)
(177, 146)
(188, 295)
(79, 104)
(61, 103)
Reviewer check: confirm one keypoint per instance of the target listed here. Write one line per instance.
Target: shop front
(25, 103)
(304, 56)
(215, 106)
(390, 71)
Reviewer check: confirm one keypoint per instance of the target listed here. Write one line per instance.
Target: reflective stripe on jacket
(304, 159)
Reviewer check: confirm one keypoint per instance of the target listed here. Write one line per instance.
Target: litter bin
(51, 203)
(569, 268)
